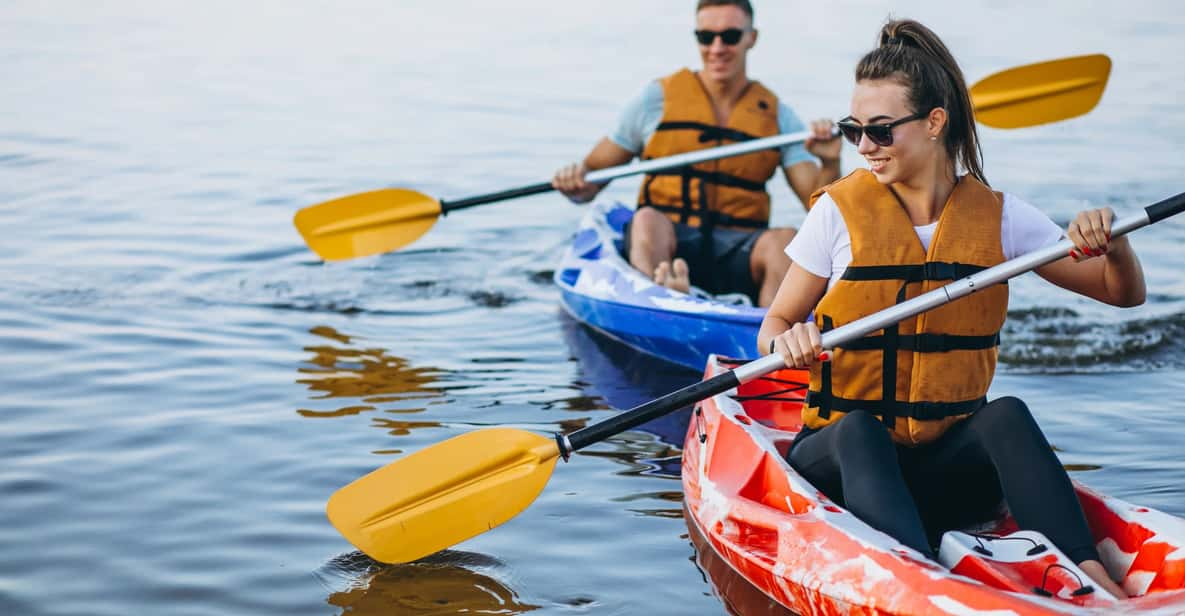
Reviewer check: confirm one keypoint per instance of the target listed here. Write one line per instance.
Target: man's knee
(649, 227)
(648, 220)
(769, 251)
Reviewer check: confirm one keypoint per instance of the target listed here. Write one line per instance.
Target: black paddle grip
(655, 408)
(525, 191)
(1164, 209)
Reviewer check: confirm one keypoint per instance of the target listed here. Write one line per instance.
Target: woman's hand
(1116, 279)
(823, 143)
(1091, 233)
(800, 345)
(569, 180)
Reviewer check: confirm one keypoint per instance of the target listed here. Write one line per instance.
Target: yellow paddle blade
(1041, 93)
(367, 223)
(442, 495)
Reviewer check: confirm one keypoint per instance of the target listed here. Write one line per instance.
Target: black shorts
(719, 262)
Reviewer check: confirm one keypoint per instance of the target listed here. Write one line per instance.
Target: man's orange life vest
(726, 192)
(930, 371)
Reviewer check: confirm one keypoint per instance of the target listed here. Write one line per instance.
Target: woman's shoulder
(824, 208)
(1025, 228)
(1019, 210)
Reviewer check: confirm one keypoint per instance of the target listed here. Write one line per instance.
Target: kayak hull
(600, 289)
(814, 557)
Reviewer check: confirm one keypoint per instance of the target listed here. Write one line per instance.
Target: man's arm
(634, 126)
(570, 180)
(806, 177)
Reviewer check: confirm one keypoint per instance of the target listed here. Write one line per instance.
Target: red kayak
(806, 553)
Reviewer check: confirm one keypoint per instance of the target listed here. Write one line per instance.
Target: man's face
(723, 62)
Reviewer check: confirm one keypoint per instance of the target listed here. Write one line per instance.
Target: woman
(897, 425)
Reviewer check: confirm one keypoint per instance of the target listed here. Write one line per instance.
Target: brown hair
(740, 4)
(913, 55)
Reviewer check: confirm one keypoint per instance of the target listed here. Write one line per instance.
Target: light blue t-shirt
(642, 114)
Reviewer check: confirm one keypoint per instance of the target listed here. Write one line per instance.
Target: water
(184, 384)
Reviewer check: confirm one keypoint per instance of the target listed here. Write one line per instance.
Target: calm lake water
(183, 384)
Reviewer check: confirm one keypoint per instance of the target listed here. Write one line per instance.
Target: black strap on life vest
(713, 177)
(890, 341)
(709, 218)
(914, 410)
(926, 343)
(823, 397)
(709, 132)
(930, 270)
(686, 209)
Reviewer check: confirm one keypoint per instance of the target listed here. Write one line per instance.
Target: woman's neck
(924, 195)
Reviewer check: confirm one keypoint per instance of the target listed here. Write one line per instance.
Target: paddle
(464, 486)
(383, 220)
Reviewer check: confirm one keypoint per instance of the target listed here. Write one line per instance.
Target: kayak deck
(812, 556)
(600, 289)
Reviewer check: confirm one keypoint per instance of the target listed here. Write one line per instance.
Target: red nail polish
(1074, 254)
(824, 356)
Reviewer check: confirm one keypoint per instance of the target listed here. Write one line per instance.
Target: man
(707, 225)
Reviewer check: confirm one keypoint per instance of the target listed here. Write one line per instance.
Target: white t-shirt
(823, 246)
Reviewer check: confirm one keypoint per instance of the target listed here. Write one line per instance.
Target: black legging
(949, 483)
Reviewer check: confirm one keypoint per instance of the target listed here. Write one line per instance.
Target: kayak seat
(569, 276)
(770, 486)
(587, 244)
(618, 217)
(1023, 561)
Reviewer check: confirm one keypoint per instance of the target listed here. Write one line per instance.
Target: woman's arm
(797, 296)
(1117, 278)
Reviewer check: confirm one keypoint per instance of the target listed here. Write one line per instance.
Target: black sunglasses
(880, 134)
(731, 36)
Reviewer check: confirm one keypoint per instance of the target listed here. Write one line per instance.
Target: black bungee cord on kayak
(983, 549)
(1083, 589)
(778, 395)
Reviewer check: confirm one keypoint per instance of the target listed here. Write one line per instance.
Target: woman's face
(882, 101)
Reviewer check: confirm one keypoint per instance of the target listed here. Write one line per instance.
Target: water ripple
(1059, 340)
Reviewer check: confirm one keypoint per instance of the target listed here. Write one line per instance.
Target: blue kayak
(602, 290)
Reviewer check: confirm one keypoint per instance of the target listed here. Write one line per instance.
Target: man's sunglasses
(880, 134)
(731, 36)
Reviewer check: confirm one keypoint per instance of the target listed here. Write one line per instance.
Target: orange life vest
(926, 373)
(726, 192)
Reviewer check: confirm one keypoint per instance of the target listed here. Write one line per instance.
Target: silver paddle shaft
(698, 156)
(937, 297)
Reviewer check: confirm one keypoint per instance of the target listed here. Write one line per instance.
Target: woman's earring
(933, 138)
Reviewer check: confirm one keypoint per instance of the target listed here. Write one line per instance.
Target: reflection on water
(370, 374)
(674, 497)
(619, 374)
(449, 582)
(641, 453)
(624, 378)
(156, 299)
(739, 597)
